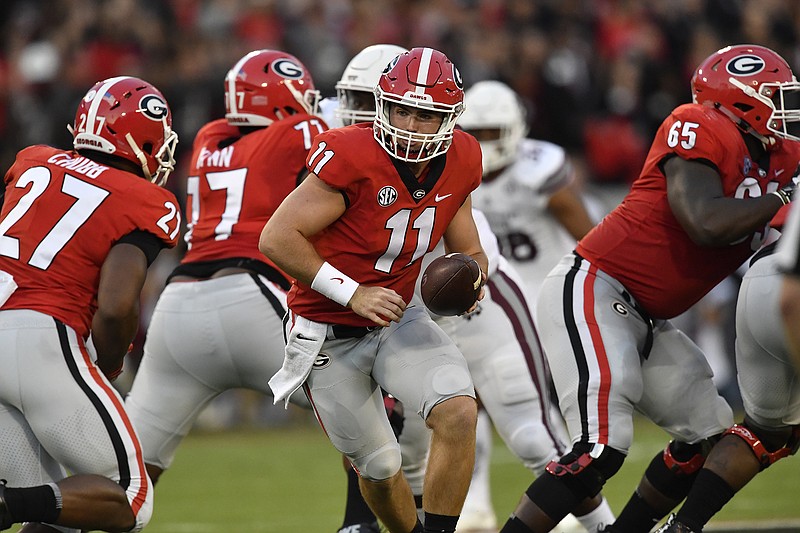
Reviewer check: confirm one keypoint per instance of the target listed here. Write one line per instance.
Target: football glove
(786, 192)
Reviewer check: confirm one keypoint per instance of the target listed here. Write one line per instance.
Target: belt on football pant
(338, 331)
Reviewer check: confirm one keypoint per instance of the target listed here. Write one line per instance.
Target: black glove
(786, 192)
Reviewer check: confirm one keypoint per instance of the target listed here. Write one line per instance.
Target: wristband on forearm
(334, 284)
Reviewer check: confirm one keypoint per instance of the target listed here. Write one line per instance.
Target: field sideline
(290, 480)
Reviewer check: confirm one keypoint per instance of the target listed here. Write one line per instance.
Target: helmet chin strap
(139, 155)
(768, 142)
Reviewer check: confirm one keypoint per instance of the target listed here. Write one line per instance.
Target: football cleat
(5, 517)
(361, 528)
(673, 526)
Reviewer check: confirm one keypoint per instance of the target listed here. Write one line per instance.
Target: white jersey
(515, 204)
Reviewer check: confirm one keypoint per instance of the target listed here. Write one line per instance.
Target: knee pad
(379, 465)
(578, 475)
(673, 471)
(586, 468)
(767, 444)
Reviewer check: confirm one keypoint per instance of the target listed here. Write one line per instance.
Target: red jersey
(392, 219)
(61, 215)
(643, 245)
(236, 183)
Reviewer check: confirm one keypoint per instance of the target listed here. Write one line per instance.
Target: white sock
(598, 518)
(478, 496)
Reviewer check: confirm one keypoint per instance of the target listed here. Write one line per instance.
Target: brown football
(451, 284)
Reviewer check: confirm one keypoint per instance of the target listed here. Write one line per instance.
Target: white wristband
(333, 284)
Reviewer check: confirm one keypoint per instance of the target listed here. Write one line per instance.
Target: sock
(637, 516)
(478, 497)
(598, 518)
(709, 494)
(440, 523)
(515, 525)
(34, 504)
(420, 510)
(356, 510)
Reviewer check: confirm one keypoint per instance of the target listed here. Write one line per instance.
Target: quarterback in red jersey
(218, 323)
(379, 196)
(717, 172)
(78, 230)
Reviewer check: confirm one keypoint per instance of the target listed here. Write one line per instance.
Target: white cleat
(477, 521)
(569, 524)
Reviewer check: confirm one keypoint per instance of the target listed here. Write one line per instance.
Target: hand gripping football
(451, 284)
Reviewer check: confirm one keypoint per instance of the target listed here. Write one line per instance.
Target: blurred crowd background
(598, 76)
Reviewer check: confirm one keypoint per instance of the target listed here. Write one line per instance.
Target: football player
(218, 323)
(717, 172)
(770, 392)
(78, 230)
(501, 346)
(353, 235)
(529, 198)
(528, 192)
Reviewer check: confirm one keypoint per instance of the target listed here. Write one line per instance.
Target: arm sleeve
(146, 242)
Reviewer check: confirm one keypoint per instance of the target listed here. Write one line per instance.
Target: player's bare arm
(462, 236)
(567, 207)
(708, 217)
(309, 209)
(117, 318)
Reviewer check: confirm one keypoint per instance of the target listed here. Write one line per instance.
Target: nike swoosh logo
(440, 198)
(340, 280)
(303, 337)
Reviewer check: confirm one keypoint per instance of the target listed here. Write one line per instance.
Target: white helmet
(494, 105)
(361, 75)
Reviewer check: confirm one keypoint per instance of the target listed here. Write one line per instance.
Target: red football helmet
(268, 85)
(423, 78)
(755, 87)
(129, 118)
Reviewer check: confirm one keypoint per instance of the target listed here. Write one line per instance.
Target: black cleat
(5, 517)
(361, 528)
(673, 526)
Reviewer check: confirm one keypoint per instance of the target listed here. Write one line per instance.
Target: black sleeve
(146, 242)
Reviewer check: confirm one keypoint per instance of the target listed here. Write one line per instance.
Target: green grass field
(291, 480)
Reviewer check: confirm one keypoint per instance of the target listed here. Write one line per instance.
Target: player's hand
(481, 294)
(786, 192)
(378, 304)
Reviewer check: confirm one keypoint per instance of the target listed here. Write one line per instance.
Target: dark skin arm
(709, 218)
(117, 318)
(567, 207)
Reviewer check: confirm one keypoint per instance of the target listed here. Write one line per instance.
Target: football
(451, 284)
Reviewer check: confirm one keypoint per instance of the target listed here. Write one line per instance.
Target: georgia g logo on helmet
(287, 69)
(153, 107)
(745, 65)
(457, 78)
(392, 63)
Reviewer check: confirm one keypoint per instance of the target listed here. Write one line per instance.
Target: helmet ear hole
(147, 148)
